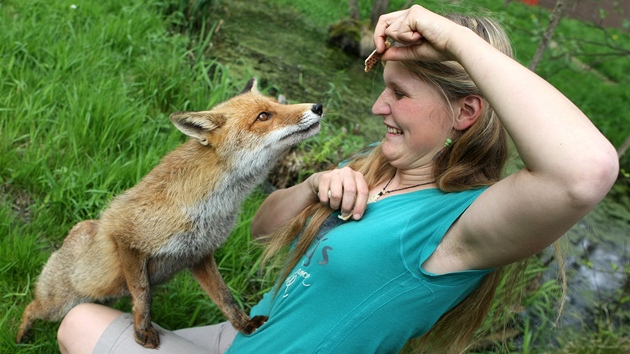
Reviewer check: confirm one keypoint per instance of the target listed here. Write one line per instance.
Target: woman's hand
(348, 191)
(425, 35)
(342, 188)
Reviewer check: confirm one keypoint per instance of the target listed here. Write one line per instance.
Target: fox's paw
(148, 338)
(254, 323)
(22, 337)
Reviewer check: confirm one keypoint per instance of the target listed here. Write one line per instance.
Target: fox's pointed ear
(252, 85)
(197, 125)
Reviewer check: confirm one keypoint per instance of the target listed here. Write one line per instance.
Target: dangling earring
(448, 142)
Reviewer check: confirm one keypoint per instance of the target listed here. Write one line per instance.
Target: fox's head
(249, 123)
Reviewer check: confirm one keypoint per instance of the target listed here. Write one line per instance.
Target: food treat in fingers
(375, 57)
(345, 217)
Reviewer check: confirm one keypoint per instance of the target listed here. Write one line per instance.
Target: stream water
(598, 264)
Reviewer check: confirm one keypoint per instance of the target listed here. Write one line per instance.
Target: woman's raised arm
(569, 164)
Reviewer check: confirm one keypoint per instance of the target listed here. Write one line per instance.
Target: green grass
(85, 95)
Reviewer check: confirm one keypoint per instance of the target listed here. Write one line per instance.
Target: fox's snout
(318, 109)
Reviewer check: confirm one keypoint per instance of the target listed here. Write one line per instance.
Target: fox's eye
(263, 116)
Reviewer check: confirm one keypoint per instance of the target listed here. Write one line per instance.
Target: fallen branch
(623, 148)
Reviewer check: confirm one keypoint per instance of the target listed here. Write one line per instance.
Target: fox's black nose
(317, 109)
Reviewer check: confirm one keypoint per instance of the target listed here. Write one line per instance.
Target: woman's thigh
(118, 338)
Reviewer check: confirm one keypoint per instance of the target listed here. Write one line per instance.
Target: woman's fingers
(343, 189)
(422, 33)
(380, 37)
(360, 199)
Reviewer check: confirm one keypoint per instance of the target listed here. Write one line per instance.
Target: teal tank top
(361, 288)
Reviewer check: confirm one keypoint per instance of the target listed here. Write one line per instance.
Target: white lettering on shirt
(293, 277)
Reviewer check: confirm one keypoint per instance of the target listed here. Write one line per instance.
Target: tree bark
(378, 8)
(353, 9)
(624, 147)
(408, 4)
(556, 15)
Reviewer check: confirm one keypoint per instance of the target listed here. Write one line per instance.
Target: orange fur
(176, 216)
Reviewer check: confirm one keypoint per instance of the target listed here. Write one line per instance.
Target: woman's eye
(263, 116)
(396, 93)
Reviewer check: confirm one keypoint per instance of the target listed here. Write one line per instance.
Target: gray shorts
(118, 338)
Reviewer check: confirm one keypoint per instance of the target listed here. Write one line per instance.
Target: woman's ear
(470, 108)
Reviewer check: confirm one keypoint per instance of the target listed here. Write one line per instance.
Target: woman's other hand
(342, 188)
(424, 35)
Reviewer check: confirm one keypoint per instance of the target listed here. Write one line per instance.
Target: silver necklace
(375, 197)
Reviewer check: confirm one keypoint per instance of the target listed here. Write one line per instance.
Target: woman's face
(416, 115)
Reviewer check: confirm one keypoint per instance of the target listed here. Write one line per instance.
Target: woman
(430, 218)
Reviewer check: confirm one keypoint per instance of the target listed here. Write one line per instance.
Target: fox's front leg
(207, 275)
(135, 267)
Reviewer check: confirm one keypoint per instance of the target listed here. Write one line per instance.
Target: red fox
(176, 216)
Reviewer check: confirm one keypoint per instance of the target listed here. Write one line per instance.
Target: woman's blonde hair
(476, 158)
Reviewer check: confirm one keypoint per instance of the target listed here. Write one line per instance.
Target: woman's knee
(82, 327)
(71, 321)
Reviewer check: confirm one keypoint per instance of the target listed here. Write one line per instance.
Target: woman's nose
(380, 107)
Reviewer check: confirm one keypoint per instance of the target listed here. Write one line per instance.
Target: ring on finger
(329, 194)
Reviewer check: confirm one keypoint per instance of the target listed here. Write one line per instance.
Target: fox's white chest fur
(212, 218)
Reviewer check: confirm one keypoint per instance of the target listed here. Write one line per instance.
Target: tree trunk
(378, 8)
(556, 15)
(624, 147)
(353, 9)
